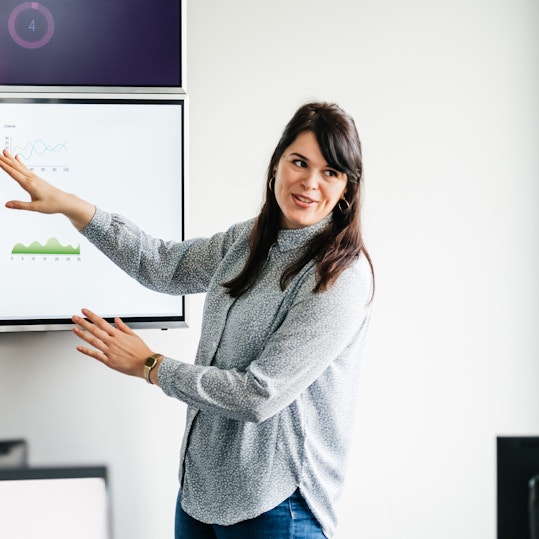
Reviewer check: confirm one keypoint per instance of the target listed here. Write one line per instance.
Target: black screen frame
(54, 472)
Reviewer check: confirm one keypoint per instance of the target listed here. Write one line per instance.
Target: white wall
(444, 95)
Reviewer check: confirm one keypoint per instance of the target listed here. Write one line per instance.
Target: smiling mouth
(303, 200)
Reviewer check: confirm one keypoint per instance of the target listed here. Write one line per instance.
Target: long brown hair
(339, 244)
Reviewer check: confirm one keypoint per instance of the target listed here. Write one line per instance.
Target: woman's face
(306, 187)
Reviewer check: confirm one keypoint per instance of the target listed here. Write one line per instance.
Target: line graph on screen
(39, 153)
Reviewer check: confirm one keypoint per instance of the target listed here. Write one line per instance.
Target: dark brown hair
(339, 244)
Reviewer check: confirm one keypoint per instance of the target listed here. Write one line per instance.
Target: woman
(274, 384)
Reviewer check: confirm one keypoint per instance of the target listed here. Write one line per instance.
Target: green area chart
(52, 247)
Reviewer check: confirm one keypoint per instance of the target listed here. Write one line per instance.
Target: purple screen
(90, 43)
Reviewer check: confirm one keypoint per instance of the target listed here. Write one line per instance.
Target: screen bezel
(69, 472)
(40, 324)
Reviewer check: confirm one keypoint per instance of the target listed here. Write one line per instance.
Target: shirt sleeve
(317, 329)
(171, 267)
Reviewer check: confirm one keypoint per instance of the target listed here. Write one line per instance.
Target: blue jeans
(291, 519)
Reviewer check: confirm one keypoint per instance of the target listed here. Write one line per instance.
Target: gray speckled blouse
(272, 393)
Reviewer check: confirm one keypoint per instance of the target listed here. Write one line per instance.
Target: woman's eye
(299, 163)
(331, 173)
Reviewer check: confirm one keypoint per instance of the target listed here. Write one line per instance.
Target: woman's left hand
(120, 348)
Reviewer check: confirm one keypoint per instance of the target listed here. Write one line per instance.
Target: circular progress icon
(31, 25)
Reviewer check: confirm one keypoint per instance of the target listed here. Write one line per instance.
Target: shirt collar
(292, 238)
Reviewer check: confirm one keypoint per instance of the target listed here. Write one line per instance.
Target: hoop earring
(270, 183)
(348, 205)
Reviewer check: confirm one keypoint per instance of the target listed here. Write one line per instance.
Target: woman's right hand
(44, 197)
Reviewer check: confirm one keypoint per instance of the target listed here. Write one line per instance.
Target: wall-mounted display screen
(123, 155)
(517, 487)
(91, 43)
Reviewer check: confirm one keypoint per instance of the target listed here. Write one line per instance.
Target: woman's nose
(309, 179)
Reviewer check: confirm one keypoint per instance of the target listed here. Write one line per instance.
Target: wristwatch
(149, 364)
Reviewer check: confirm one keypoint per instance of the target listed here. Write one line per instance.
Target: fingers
(14, 160)
(18, 205)
(44, 197)
(98, 322)
(119, 347)
(13, 166)
(95, 331)
(7, 163)
(96, 354)
(27, 179)
(122, 326)
(99, 347)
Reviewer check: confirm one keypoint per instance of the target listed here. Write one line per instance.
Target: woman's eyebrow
(296, 154)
